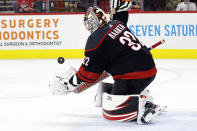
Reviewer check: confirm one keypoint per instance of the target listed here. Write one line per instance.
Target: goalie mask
(94, 18)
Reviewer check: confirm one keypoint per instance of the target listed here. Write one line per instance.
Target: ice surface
(26, 103)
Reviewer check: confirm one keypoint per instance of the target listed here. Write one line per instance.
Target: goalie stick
(157, 44)
(104, 75)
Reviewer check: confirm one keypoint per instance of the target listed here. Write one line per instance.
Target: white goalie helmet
(94, 18)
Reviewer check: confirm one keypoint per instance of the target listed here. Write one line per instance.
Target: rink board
(35, 36)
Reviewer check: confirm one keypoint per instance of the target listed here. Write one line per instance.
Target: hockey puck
(60, 60)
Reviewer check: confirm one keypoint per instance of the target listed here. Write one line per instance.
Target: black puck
(60, 60)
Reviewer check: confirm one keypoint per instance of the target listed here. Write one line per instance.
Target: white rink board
(178, 29)
(63, 31)
(49, 32)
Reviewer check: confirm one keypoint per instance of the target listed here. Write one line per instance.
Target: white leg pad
(98, 97)
(120, 107)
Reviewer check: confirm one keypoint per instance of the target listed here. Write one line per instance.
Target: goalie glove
(64, 83)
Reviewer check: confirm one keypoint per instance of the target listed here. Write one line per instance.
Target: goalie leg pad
(120, 107)
(103, 87)
(129, 108)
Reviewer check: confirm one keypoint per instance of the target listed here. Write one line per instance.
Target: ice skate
(151, 111)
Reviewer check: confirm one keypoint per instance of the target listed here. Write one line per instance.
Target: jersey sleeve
(94, 63)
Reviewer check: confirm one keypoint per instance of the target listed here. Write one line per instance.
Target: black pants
(121, 16)
(127, 87)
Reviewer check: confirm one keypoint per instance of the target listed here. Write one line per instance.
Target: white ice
(26, 103)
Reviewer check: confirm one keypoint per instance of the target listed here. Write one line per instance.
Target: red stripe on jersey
(84, 79)
(103, 38)
(137, 75)
(87, 76)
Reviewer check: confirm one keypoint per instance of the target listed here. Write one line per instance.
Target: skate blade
(150, 116)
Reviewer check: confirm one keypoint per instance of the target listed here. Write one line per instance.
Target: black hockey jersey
(114, 48)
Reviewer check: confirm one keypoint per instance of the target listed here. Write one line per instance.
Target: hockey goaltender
(113, 49)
